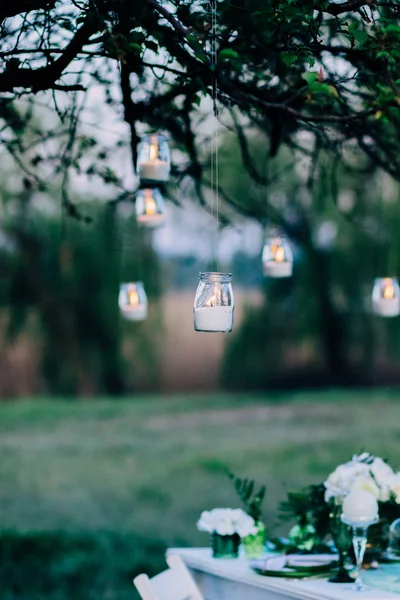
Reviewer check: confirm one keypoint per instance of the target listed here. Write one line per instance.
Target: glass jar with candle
(132, 301)
(150, 207)
(214, 303)
(154, 162)
(386, 297)
(277, 256)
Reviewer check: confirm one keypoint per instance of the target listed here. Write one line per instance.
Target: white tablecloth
(232, 579)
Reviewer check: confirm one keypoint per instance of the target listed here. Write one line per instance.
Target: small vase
(225, 546)
(254, 545)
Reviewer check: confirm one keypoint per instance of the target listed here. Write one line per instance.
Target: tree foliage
(309, 75)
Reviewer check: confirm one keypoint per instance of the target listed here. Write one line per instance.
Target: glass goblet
(359, 527)
(342, 538)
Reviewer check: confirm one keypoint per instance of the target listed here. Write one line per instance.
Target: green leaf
(228, 53)
(322, 88)
(395, 29)
(310, 76)
(288, 58)
(361, 36)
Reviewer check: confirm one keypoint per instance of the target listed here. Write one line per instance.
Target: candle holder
(277, 256)
(214, 304)
(150, 207)
(386, 297)
(359, 527)
(132, 301)
(154, 162)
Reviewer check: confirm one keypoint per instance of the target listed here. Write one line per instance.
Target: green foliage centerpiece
(253, 544)
(318, 508)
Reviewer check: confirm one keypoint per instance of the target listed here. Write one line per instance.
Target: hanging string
(214, 136)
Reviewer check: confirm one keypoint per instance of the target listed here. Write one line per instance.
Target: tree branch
(338, 9)
(45, 77)
(12, 9)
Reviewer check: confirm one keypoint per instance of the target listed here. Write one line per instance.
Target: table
(232, 579)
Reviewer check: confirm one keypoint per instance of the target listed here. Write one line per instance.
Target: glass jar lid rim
(127, 283)
(160, 134)
(215, 275)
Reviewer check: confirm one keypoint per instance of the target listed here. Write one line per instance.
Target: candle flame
(215, 299)
(388, 289)
(280, 254)
(153, 151)
(133, 297)
(150, 204)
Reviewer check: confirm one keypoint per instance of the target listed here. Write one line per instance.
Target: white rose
(381, 472)
(206, 522)
(225, 527)
(227, 521)
(367, 484)
(341, 481)
(394, 486)
(244, 524)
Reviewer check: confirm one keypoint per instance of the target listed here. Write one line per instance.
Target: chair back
(176, 583)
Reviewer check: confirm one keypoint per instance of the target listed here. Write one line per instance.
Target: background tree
(312, 75)
(317, 327)
(59, 283)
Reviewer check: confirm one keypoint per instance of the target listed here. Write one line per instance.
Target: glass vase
(225, 546)
(254, 545)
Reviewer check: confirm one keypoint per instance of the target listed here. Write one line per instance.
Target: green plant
(251, 500)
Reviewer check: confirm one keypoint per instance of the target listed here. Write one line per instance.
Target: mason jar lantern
(132, 301)
(154, 162)
(386, 297)
(150, 207)
(214, 303)
(277, 256)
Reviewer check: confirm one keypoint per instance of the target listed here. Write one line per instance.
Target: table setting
(345, 542)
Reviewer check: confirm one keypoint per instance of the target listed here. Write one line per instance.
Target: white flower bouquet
(227, 521)
(363, 472)
(314, 506)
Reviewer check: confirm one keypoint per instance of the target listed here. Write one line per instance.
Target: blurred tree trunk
(332, 327)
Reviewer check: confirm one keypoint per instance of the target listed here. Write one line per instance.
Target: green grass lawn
(92, 492)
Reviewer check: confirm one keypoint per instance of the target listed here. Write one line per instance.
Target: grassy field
(92, 492)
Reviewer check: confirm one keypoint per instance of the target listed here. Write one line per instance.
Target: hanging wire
(214, 136)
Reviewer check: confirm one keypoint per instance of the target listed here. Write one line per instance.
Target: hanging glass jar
(386, 297)
(132, 301)
(277, 256)
(150, 207)
(214, 303)
(154, 162)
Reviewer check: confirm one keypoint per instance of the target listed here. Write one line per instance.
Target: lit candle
(132, 302)
(155, 170)
(276, 268)
(276, 261)
(213, 318)
(360, 506)
(136, 313)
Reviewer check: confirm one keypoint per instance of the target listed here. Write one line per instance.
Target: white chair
(176, 583)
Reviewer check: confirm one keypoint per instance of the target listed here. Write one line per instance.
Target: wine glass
(359, 527)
